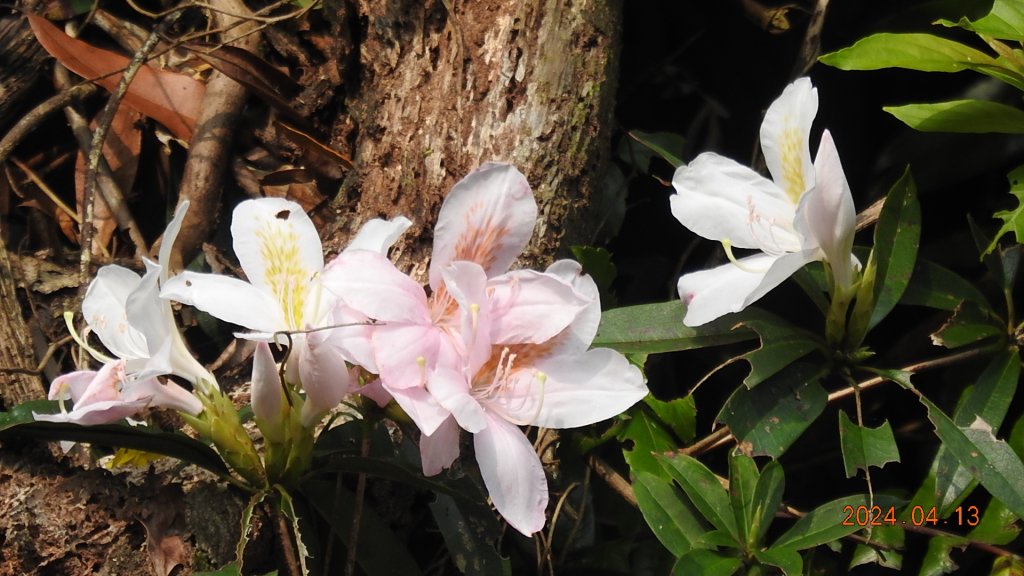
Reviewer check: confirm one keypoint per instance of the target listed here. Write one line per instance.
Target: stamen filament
(69, 318)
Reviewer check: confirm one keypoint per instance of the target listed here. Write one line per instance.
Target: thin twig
(614, 480)
(37, 115)
(723, 435)
(811, 47)
(109, 190)
(103, 122)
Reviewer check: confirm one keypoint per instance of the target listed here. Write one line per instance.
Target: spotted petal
(104, 308)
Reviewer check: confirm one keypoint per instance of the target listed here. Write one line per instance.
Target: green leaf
(936, 559)
(470, 539)
(962, 116)
(991, 461)
(863, 446)
(1013, 220)
(781, 345)
(705, 491)
(743, 477)
(884, 550)
(895, 250)
(679, 414)
(20, 422)
(243, 539)
(666, 145)
(825, 523)
(989, 399)
(998, 525)
(379, 551)
(230, 570)
(671, 518)
(786, 559)
(648, 437)
(655, 328)
(287, 507)
(767, 499)
(773, 415)
(934, 286)
(924, 52)
(706, 563)
(1004, 21)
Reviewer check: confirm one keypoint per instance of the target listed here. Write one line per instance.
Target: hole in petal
(283, 214)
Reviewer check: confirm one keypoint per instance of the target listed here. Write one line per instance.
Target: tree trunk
(444, 86)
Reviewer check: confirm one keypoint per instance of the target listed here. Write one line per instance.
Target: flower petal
(467, 284)
(369, 283)
(451, 390)
(267, 395)
(379, 235)
(422, 408)
(71, 385)
(280, 252)
(785, 138)
(513, 474)
(323, 374)
(230, 299)
(583, 329)
(405, 353)
(532, 307)
(440, 449)
(720, 199)
(572, 390)
(826, 215)
(104, 308)
(170, 235)
(487, 218)
(157, 395)
(97, 413)
(710, 294)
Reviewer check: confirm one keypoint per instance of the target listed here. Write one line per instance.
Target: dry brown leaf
(170, 98)
(121, 151)
(318, 156)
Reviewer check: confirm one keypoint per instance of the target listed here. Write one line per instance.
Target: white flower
(804, 214)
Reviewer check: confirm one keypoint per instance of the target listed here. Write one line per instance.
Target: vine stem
(357, 512)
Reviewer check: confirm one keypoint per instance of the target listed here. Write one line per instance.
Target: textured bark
(444, 86)
(18, 380)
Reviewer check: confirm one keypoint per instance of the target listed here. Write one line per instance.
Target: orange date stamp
(865, 516)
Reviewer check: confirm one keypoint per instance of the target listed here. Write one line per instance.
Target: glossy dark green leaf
(781, 345)
(704, 490)
(895, 249)
(825, 523)
(968, 325)
(863, 446)
(654, 328)
(767, 499)
(648, 436)
(379, 550)
(706, 563)
(989, 399)
(671, 517)
(19, 422)
(470, 539)
(990, 460)
(962, 116)
(679, 414)
(934, 286)
(786, 559)
(743, 477)
(924, 52)
(773, 415)
(997, 525)
(1013, 219)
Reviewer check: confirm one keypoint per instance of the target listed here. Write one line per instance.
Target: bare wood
(20, 378)
(444, 88)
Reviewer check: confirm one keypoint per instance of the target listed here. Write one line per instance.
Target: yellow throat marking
(285, 274)
(792, 147)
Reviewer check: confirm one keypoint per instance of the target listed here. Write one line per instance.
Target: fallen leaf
(170, 98)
